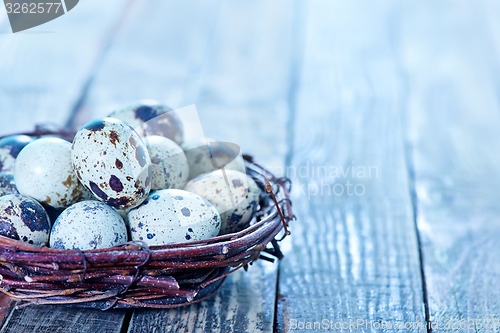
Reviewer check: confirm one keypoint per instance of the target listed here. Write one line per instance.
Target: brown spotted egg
(10, 146)
(209, 155)
(170, 165)
(112, 161)
(148, 117)
(88, 225)
(174, 216)
(44, 172)
(24, 219)
(233, 193)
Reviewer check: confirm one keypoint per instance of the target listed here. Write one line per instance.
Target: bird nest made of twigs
(136, 275)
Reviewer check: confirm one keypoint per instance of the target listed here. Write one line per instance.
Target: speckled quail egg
(148, 117)
(7, 184)
(233, 193)
(10, 146)
(112, 161)
(24, 219)
(170, 165)
(174, 216)
(88, 225)
(209, 155)
(44, 171)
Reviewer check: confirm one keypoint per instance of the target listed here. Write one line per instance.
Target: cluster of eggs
(129, 176)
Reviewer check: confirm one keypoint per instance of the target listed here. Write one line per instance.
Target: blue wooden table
(385, 115)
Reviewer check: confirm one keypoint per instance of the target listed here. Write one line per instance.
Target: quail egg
(112, 161)
(44, 171)
(148, 117)
(7, 184)
(88, 225)
(174, 216)
(209, 155)
(24, 219)
(10, 146)
(170, 165)
(233, 193)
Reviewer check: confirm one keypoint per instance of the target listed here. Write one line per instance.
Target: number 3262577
(33, 8)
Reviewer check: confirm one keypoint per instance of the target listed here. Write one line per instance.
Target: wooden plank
(235, 70)
(453, 130)
(353, 264)
(43, 70)
(42, 74)
(242, 91)
(51, 319)
(165, 49)
(242, 304)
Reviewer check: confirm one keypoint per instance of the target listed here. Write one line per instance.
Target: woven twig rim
(135, 275)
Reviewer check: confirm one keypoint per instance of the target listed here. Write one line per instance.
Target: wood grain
(354, 253)
(42, 74)
(235, 71)
(453, 131)
(51, 319)
(245, 303)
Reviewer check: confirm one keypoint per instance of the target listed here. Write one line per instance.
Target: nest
(134, 275)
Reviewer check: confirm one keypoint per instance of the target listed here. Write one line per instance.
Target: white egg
(148, 117)
(170, 165)
(88, 225)
(233, 193)
(174, 216)
(44, 171)
(24, 219)
(209, 155)
(112, 161)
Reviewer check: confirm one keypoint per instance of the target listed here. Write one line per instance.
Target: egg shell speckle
(170, 166)
(7, 184)
(148, 117)
(174, 216)
(44, 171)
(112, 161)
(10, 146)
(88, 225)
(233, 193)
(209, 155)
(24, 219)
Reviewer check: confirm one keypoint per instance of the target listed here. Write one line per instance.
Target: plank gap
(126, 321)
(410, 166)
(299, 23)
(276, 300)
